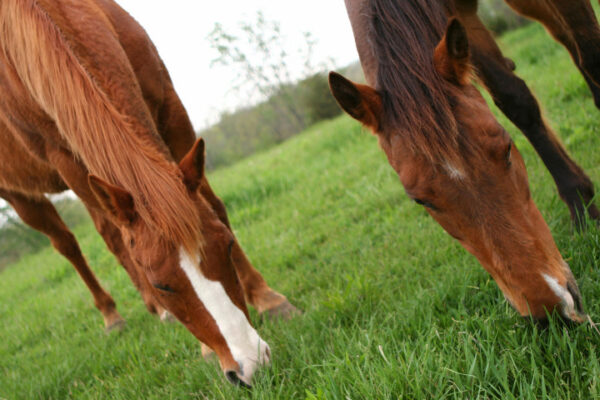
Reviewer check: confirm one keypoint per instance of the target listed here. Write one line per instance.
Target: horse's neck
(359, 15)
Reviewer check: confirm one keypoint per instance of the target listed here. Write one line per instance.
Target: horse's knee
(515, 99)
(510, 93)
(510, 64)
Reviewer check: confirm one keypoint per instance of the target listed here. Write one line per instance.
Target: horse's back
(26, 129)
(143, 57)
(115, 51)
(63, 67)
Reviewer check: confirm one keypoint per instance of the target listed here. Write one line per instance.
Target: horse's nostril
(232, 376)
(574, 290)
(569, 305)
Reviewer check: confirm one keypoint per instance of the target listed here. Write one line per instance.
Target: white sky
(179, 29)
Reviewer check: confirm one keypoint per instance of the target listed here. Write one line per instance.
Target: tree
(317, 101)
(285, 89)
(264, 65)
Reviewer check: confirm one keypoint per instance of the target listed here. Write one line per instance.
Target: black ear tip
(338, 79)
(343, 90)
(200, 153)
(455, 25)
(456, 30)
(456, 39)
(340, 84)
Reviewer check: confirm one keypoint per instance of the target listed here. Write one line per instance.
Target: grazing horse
(76, 113)
(450, 153)
(177, 132)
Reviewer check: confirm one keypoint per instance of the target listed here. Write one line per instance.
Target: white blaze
(454, 172)
(246, 347)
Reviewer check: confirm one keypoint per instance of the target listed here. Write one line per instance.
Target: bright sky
(179, 29)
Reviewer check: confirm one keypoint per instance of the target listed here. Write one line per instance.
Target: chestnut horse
(177, 132)
(450, 153)
(87, 104)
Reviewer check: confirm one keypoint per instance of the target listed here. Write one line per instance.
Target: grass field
(394, 308)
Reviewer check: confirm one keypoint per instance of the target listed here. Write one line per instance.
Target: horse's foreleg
(257, 292)
(41, 215)
(513, 97)
(581, 24)
(573, 24)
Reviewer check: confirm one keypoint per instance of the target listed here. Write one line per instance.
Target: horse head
(469, 176)
(197, 284)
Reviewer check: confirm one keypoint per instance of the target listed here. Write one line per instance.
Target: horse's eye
(425, 204)
(131, 242)
(230, 247)
(507, 157)
(164, 288)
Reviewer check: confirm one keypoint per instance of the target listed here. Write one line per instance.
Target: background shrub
(499, 17)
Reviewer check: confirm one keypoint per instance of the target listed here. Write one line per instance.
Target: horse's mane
(96, 120)
(416, 98)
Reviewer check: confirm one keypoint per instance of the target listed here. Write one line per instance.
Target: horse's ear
(116, 201)
(192, 165)
(362, 102)
(451, 55)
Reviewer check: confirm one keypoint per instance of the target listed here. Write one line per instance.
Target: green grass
(394, 308)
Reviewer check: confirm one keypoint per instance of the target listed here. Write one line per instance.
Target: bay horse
(88, 105)
(448, 150)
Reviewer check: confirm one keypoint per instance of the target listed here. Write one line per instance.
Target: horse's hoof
(115, 326)
(284, 311)
(166, 316)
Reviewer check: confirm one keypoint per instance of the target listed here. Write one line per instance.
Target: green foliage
(258, 56)
(258, 128)
(317, 100)
(498, 17)
(394, 307)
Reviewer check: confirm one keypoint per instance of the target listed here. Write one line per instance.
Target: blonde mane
(102, 118)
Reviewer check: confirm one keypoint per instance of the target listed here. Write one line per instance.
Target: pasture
(393, 306)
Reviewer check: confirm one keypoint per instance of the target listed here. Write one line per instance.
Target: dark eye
(230, 247)
(164, 288)
(507, 156)
(424, 204)
(131, 242)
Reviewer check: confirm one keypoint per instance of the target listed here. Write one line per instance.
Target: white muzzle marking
(566, 300)
(246, 346)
